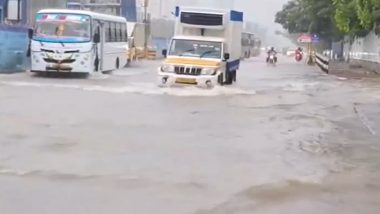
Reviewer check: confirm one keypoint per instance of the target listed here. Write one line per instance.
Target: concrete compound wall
(13, 47)
(364, 52)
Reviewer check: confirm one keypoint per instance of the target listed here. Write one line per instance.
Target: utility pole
(146, 24)
(161, 8)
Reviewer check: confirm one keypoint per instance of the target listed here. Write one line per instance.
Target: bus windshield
(63, 28)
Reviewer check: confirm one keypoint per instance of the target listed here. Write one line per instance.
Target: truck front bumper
(169, 79)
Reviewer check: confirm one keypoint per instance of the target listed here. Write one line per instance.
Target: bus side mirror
(164, 53)
(226, 56)
(96, 38)
(30, 33)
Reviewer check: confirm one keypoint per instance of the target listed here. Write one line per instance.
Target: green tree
(347, 19)
(312, 16)
(331, 18)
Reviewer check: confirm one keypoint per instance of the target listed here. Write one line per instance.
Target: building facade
(27, 9)
(126, 8)
(166, 8)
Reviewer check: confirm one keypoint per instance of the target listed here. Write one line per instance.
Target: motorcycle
(272, 59)
(298, 56)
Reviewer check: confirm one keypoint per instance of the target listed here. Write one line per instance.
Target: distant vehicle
(298, 54)
(272, 59)
(290, 53)
(272, 56)
(247, 45)
(204, 50)
(78, 41)
(256, 47)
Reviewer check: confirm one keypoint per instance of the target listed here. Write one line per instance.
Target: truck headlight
(208, 71)
(167, 68)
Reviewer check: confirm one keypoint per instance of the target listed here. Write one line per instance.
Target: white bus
(78, 41)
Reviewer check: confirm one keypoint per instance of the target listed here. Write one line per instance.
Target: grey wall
(36, 5)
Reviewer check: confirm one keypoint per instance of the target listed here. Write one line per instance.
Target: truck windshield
(63, 28)
(193, 48)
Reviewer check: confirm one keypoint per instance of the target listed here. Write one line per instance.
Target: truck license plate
(186, 81)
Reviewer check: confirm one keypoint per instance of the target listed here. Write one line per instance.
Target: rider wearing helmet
(299, 50)
(272, 51)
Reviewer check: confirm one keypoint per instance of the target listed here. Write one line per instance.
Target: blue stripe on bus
(56, 40)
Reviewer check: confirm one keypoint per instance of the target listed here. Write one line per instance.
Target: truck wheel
(230, 78)
(235, 75)
(220, 79)
(117, 64)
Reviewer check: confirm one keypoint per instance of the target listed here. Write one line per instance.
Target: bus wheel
(117, 63)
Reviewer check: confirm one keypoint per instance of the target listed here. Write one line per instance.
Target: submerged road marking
(364, 119)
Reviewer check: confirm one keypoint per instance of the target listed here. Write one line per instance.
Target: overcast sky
(263, 12)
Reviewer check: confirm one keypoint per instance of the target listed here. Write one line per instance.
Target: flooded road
(285, 139)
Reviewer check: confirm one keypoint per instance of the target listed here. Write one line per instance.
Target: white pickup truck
(205, 49)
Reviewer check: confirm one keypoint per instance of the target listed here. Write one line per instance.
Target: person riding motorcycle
(299, 54)
(299, 51)
(273, 52)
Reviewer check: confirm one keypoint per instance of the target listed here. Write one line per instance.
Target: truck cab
(205, 49)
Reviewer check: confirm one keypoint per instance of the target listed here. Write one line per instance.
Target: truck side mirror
(30, 33)
(164, 53)
(96, 38)
(226, 56)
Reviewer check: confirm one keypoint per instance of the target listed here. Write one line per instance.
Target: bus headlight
(209, 71)
(167, 68)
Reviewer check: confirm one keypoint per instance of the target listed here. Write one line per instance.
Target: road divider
(322, 62)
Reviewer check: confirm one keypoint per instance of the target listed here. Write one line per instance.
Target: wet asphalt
(285, 139)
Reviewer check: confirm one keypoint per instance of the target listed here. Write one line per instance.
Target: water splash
(143, 88)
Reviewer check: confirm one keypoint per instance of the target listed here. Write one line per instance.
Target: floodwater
(286, 139)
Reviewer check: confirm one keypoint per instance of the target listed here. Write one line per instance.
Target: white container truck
(205, 49)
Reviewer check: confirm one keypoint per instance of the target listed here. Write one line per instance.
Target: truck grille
(187, 70)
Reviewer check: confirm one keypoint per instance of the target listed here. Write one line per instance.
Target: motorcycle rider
(299, 50)
(272, 51)
(299, 53)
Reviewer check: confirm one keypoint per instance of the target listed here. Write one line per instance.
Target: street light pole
(146, 23)
(161, 8)
(146, 27)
